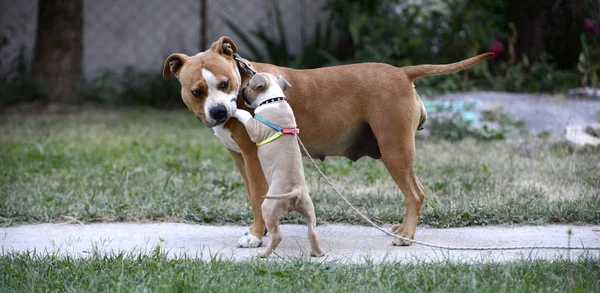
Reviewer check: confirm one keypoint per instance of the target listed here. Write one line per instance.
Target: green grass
(128, 272)
(142, 164)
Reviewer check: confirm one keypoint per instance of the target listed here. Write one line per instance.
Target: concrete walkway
(343, 243)
(540, 112)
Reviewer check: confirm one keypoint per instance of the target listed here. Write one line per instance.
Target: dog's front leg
(248, 165)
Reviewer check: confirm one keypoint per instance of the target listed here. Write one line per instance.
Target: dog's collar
(271, 100)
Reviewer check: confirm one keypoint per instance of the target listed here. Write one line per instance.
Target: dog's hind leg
(400, 165)
(272, 212)
(307, 210)
(396, 140)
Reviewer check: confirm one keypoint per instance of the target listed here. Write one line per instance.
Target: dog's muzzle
(218, 113)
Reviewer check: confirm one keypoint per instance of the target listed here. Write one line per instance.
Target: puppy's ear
(224, 46)
(258, 82)
(284, 84)
(173, 65)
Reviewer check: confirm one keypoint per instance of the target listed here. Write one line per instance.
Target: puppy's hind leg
(307, 210)
(272, 212)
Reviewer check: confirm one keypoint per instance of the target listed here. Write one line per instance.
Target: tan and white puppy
(280, 159)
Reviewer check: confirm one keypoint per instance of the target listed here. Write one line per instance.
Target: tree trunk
(564, 41)
(58, 49)
(553, 26)
(531, 18)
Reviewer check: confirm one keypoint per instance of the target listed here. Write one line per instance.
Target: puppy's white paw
(249, 241)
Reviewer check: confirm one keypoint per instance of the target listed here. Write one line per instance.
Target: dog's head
(210, 81)
(262, 87)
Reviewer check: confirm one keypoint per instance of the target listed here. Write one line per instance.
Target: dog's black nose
(218, 113)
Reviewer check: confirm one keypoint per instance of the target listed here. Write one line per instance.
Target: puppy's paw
(249, 241)
(403, 242)
(242, 115)
(317, 253)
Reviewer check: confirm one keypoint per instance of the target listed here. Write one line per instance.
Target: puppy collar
(271, 100)
(280, 130)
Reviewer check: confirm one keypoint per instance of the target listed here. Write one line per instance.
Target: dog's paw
(397, 228)
(264, 253)
(317, 253)
(249, 241)
(402, 242)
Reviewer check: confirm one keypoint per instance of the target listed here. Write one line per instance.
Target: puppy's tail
(291, 194)
(418, 71)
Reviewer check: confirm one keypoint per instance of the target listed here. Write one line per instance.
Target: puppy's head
(210, 81)
(264, 86)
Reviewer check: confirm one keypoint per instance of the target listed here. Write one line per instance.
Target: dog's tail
(291, 194)
(418, 71)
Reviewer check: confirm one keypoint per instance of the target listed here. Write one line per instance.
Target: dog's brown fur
(367, 109)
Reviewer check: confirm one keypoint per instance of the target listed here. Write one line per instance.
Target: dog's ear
(284, 84)
(224, 46)
(173, 64)
(257, 82)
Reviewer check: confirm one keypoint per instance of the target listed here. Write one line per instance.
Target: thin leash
(425, 243)
(246, 67)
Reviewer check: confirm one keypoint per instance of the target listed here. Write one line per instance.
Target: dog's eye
(224, 85)
(197, 93)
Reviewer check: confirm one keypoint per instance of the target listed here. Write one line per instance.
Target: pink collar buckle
(290, 130)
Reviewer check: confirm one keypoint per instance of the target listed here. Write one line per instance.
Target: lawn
(147, 165)
(141, 273)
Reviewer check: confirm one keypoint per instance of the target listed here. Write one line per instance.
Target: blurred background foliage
(540, 46)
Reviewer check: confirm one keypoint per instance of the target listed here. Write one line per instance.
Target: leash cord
(425, 243)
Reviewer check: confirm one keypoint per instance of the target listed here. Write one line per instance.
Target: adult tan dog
(279, 155)
(367, 109)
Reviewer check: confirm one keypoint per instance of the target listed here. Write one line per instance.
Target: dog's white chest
(225, 137)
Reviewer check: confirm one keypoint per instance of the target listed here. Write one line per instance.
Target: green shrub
(269, 44)
(133, 88)
(142, 88)
(19, 87)
(448, 123)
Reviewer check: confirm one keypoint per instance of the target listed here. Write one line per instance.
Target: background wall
(142, 33)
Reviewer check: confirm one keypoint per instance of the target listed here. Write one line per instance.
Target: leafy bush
(133, 88)
(429, 31)
(589, 61)
(448, 123)
(102, 88)
(142, 88)
(19, 87)
(269, 44)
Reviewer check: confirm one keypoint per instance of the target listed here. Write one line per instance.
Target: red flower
(591, 27)
(497, 48)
